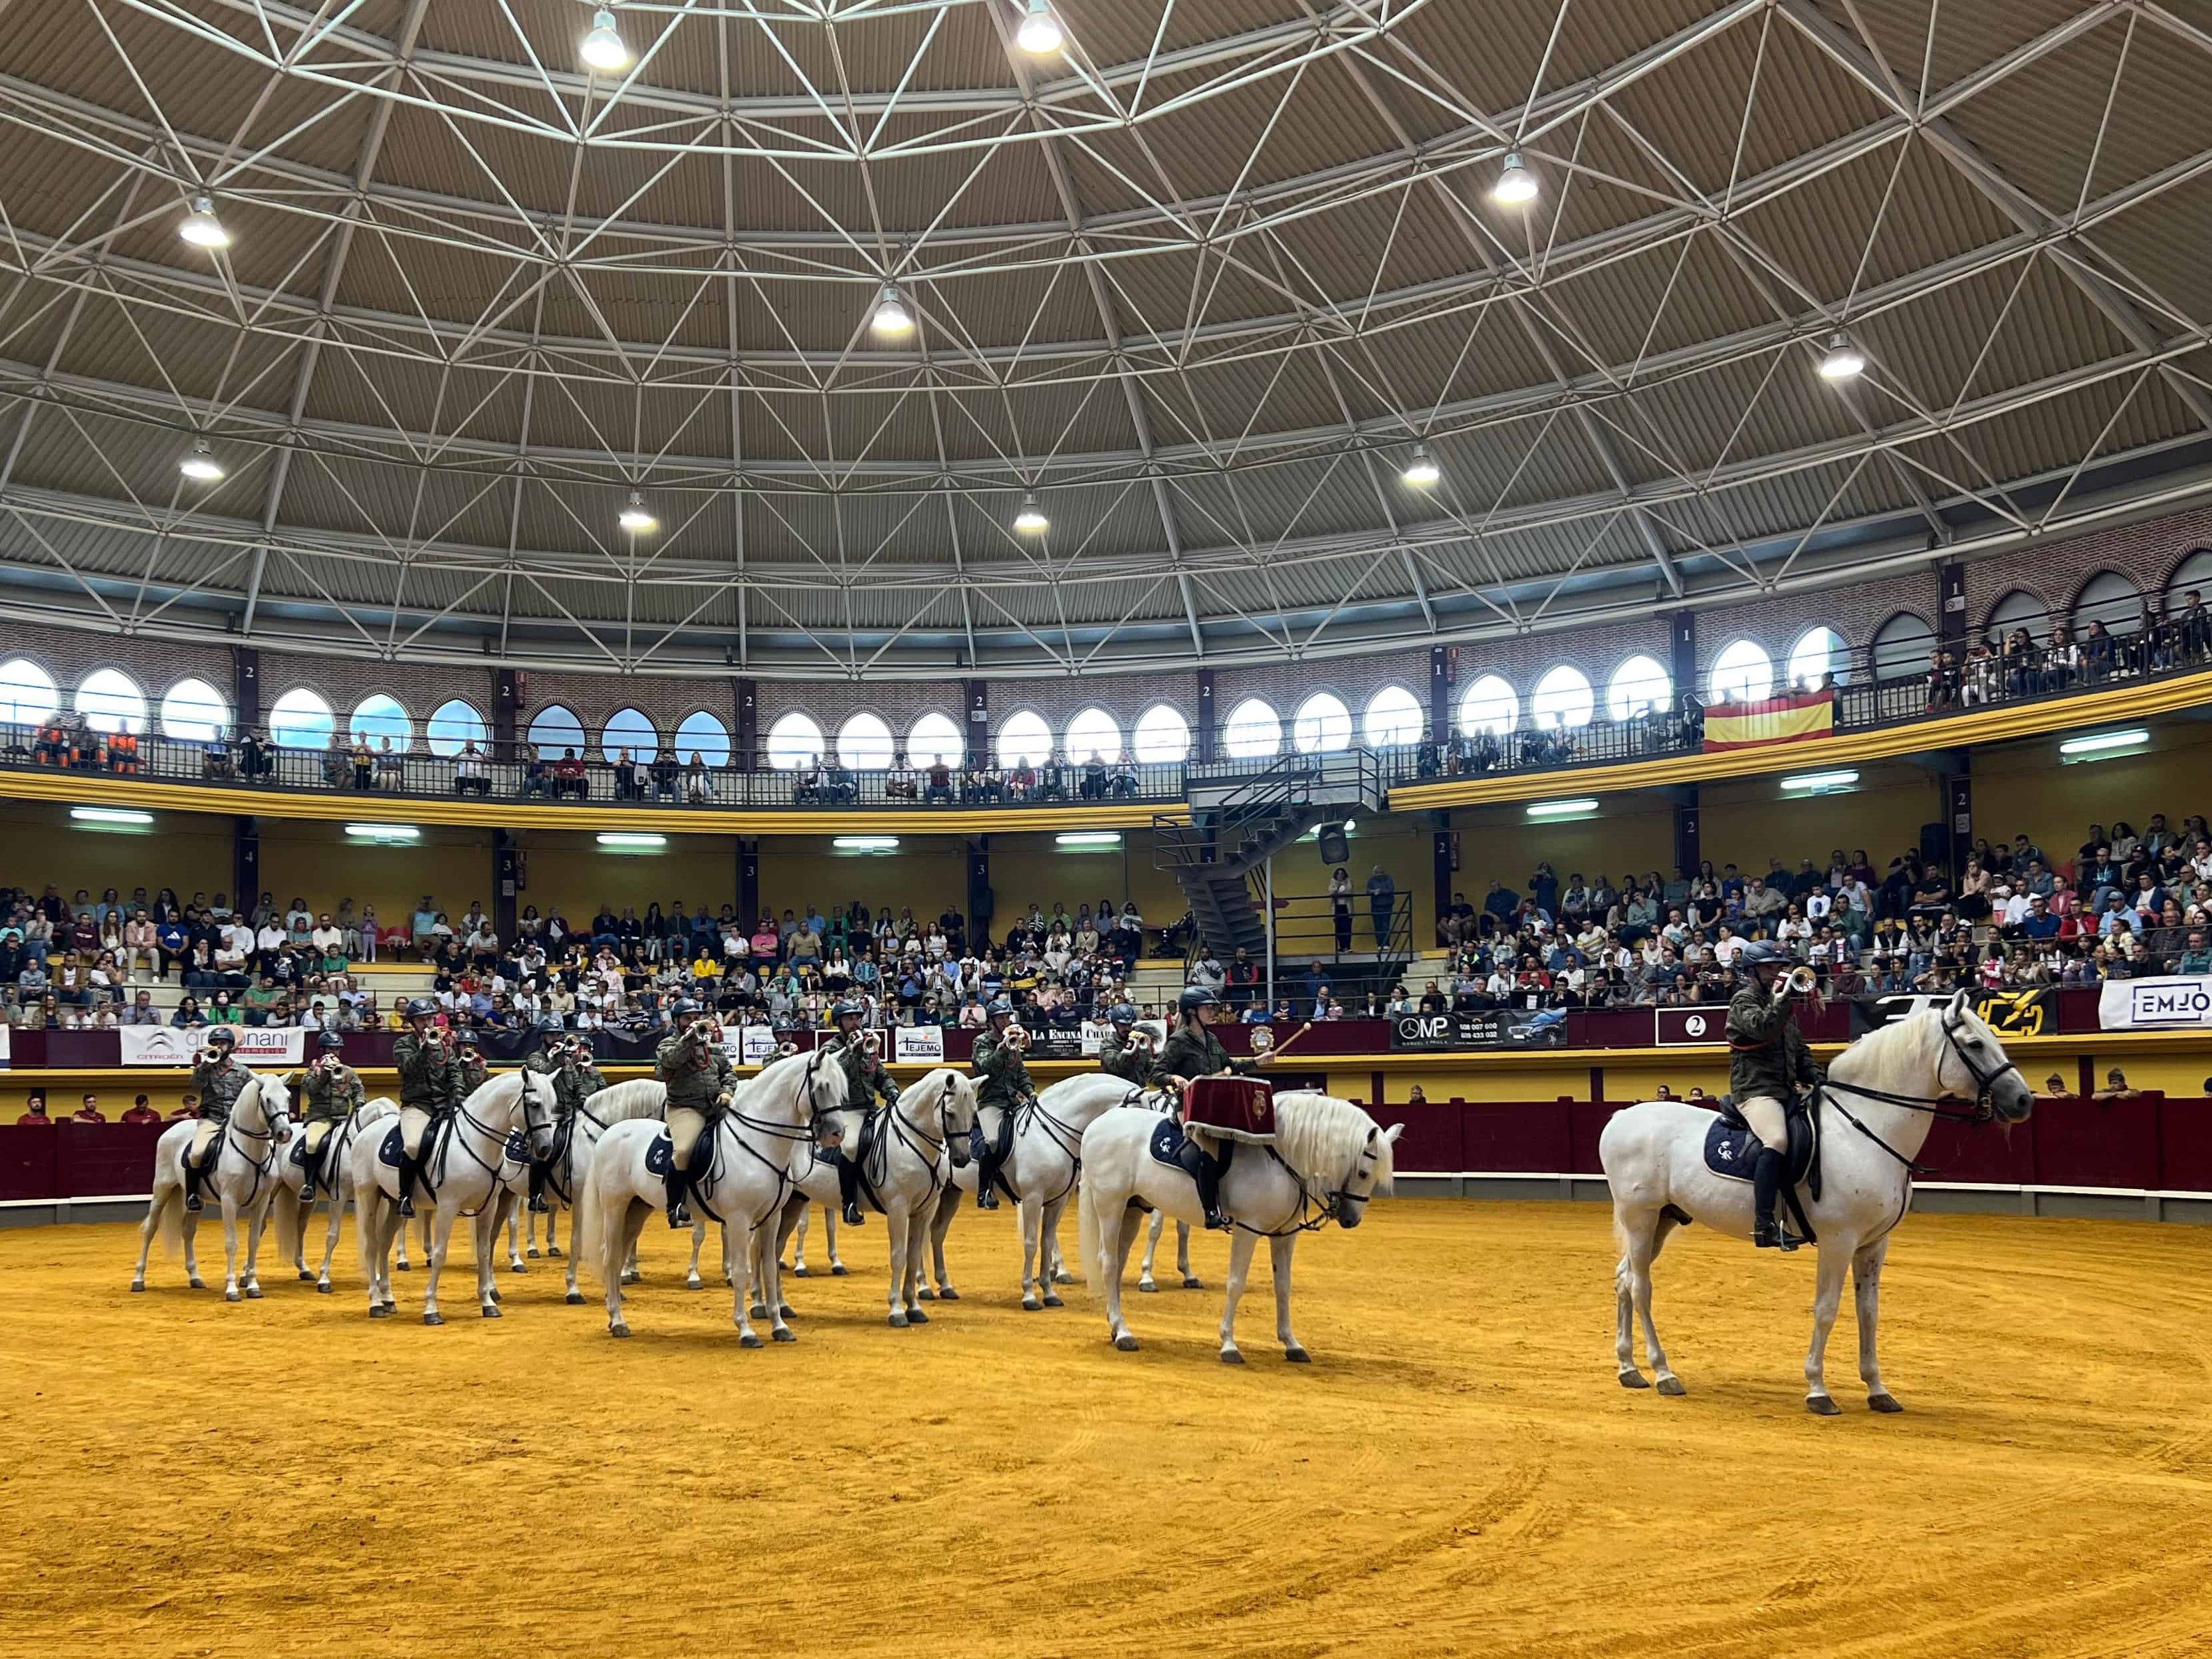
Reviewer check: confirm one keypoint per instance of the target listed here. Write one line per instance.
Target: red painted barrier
(2184, 1146)
(2097, 1143)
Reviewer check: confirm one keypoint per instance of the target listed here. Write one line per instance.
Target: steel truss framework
(1199, 283)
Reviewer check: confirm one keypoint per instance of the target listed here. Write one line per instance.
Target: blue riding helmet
(221, 1037)
(1758, 953)
(999, 1007)
(421, 1008)
(1122, 1013)
(330, 1040)
(1194, 998)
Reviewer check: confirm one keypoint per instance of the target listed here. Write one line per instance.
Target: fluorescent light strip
(1819, 783)
(124, 816)
(2103, 742)
(384, 832)
(866, 843)
(628, 840)
(1087, 838)
(1561, 809)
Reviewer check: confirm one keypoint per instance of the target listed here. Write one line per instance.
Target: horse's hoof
(948, 1294)
(916, 1316)
(306, 1277)
(532, 1253)
(1885, 1403)
(390, 1308)
(196, 1282)
(491, 1312)
(786, 1311)
(1672, 1386)
(551, 1252)
(1634, 1379)
(926, 1294)
(1192, 1282)
(1147, 1286)
(404, 1266)
(1030, 1304)
(1821, 1405)
(230, 1295)
(516, 1267)
(253, 1293)
(575, 1298)
(836, 1270)
(1051, 1301)
(323, 1288)
(617, 1329)
(380, 1311)
(758, 1311)
(751, 1340)
(1125, 1344)
(137, 1284)
(1232, 1355)
(897, 1321)
(782, 1335)
(695, 1283)
(632, 1276)
(1297, 1355)
(434, 1319)
(799, 1272)
(1063, 1277)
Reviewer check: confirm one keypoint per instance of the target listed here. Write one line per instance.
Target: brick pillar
(1207, 731)
(1440, 689)
(245, 862)
(976, 697)
(505, 713)
(506, 884)
(246, 686)
(747, 756)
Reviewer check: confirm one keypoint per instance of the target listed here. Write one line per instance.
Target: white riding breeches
(413, 1119)
(684, 1126)
(1765, 1114)
(203, 1136)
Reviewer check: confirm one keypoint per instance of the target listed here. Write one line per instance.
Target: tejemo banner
(170, 1045)
(1489, 1028)
(749, 1045)
(918, 1045)
(5, 1059)
(2151, 1005)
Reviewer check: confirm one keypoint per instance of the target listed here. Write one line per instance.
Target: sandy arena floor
(1458, 1472)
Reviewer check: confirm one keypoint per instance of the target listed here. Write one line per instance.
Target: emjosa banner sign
(2136, 1004)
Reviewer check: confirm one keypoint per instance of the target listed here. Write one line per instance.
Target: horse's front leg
(433, 1262)
(1279, 1251)
(1240, 1268)
(1032, 1231)
(691, 1279)
(1866, 1283)
(511, 1206)
(741, 1240)
(797, 1229)
(483, 1233)
(948, 1206)
(830, 1217)
(191, 1227)
(257, 1223)
(1055, 1272)
(1827, 1296)
(330, 1240)
(896, 1221)
(229, 1248)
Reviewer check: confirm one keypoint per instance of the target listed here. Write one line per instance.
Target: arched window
(377, 717)
(793, 742)
(555, 728)
(1253, 730)
(1393, 719)
(452, 726)
(300, 720)
(1025, 740)
(630, 729)
(1321, 725)
(863, 743)
(934, 740)
(1638, 686)
(1490, 705)
(1901, 646)
(2110, 599)
(1162, 736)
(1819, 652)
(27, 693)
(1742, 673)
(2020, 609)
(110, 701)
(194, 711)
(1093, 732)
(704, 735)
(2194, 571)
(1562, 697)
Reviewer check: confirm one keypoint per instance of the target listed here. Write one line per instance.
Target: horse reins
(1982, 1111)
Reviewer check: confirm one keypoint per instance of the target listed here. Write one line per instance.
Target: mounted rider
(1190, 1052)
(864, 1078)
(567, 1058)
(1118, 1053)
(332, 1092)
(218, 1080)
(1005, 1087)
(700, 1080)
(470, 1067)
(424, 1058)
(1768, 1063)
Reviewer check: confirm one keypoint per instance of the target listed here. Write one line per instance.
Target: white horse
(1883, 1094)
(242, 1169)
(575, 1140)
(465, 1162)
(291, 1217)
(922, 1140)
(1328, 1159)
(742, 1180)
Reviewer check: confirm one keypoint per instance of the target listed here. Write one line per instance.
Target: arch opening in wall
(110, 701)
(1901, 647)
(1639, 687)
(703, 735)
(379, 716)
(1490, 705)
(863, 743)
(1743, 672)
(28, 695)
(1162, 736)
(2193, 572)
(192, 711)
(1253, 732)
(1820, 653)
(452, 726)
(1321, 725)
(300, 720)
(1393, 719)
(2110, 599)
(1562, 698)
(631, 729)
(794, 742)
(2020, 609)
(1024, 740)
(935, 739)
(554, 729)
(1094, 731)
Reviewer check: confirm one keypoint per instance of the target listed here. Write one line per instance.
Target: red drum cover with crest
(1242, 1108)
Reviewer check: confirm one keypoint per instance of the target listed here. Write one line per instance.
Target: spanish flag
(1775, 720)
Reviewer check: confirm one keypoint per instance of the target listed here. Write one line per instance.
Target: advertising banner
(2151, 1005)
(918, 1045)
(1488, 1028)
(2026, 1012)
(169, 1045)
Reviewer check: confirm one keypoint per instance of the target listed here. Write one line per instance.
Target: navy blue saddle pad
(1728, 1151)
(1167, 1143)
(657, 1155)
(393, 1149)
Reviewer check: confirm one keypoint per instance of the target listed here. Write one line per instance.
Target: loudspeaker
(1335, 847)
(1935, 844)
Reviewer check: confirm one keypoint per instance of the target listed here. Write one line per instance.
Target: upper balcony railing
(1875, 688)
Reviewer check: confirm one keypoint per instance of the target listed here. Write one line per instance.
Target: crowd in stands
(2012, 663)
(80, 962)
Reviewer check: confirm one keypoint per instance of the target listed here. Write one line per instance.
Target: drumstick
(1293, 1038)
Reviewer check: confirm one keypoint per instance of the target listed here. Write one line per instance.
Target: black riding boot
(678, 1217)
(1766, 1172)
(849, 1188)
(191, 1182)
(307, 1163)
(537, 1204)
(406, 1188)
(1205, 1170)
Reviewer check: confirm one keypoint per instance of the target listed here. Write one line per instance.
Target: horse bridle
(1982, 1109)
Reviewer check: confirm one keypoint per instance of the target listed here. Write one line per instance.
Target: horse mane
(829, 1086)
(375, 1111)
(270, 1093)
(1319, 1135)
(640, 1096)
(960, 1086)
(1907, 1039)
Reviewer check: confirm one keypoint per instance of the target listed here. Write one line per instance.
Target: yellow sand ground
(1457, 1473)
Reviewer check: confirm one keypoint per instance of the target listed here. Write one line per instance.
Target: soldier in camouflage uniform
(864, 1078)
(1119, 1055)
(568, 1061)
(700, 1080)
(1004, 1089)
(470, 1069)
(1768, 1063)
(332, 1092)
(425, 1058)
(219, 1080)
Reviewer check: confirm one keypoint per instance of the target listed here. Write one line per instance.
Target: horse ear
(1392, 1134)
(1959, 1002)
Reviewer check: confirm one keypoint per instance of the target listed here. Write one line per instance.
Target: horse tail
(586, 1225)
(1094, 1274)
(169, 1216)
(291, 1223)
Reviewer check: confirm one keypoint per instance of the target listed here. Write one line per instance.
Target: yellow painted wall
(568, 868)
(186, 851)
(926, 874)
(306, 859)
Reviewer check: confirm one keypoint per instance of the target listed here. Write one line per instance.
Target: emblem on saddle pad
(393, 1149)
(518, 1147)
(657, 1156)
(1166, 1144)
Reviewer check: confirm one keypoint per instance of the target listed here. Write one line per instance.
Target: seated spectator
(141, 1112)
(568, 779)
(88, 1110)
(472, 774)
(34, 1111)
(2117, 1087)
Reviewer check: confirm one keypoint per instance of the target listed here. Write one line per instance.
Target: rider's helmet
(330, 1041)
(848, 1009)
(1195, 997)
(1001, 1009)
(421, 1008)
(221, 1037)
(1122, 1013)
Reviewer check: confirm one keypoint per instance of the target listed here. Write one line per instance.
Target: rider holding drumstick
(1193, 1052)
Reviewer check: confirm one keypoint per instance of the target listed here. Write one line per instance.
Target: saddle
(1728, 1154)
(661, 1157)
(1169, 1145)
(870, 1159)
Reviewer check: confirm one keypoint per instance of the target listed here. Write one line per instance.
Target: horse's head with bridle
(540, 1104)
(1972, 1065)
(275, 1101)
(956, 1110)
(1369, 1176)
(1341, 1156)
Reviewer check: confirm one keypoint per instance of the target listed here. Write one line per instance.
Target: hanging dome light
(1516, 184)
(890, 316)
(636, 519)
(201, 465)
(1031, 520)
(1845, 360)
(603, 49)
(201, 228)
(1040, 32)
(1422, 470)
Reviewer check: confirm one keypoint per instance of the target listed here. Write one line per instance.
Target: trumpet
(1141, 1041)
(1800, 981)
(1017, 1038)
(871, 1044)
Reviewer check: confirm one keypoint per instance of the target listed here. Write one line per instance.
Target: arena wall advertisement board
(2028, 1013)
(921, 1045)
(1679, 1028)
(1488, 1028)
(2151, 1005)
(7, 1057)
(168, 1045)
(749, 1045)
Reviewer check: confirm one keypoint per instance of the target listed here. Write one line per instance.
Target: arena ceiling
(1199, 282)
